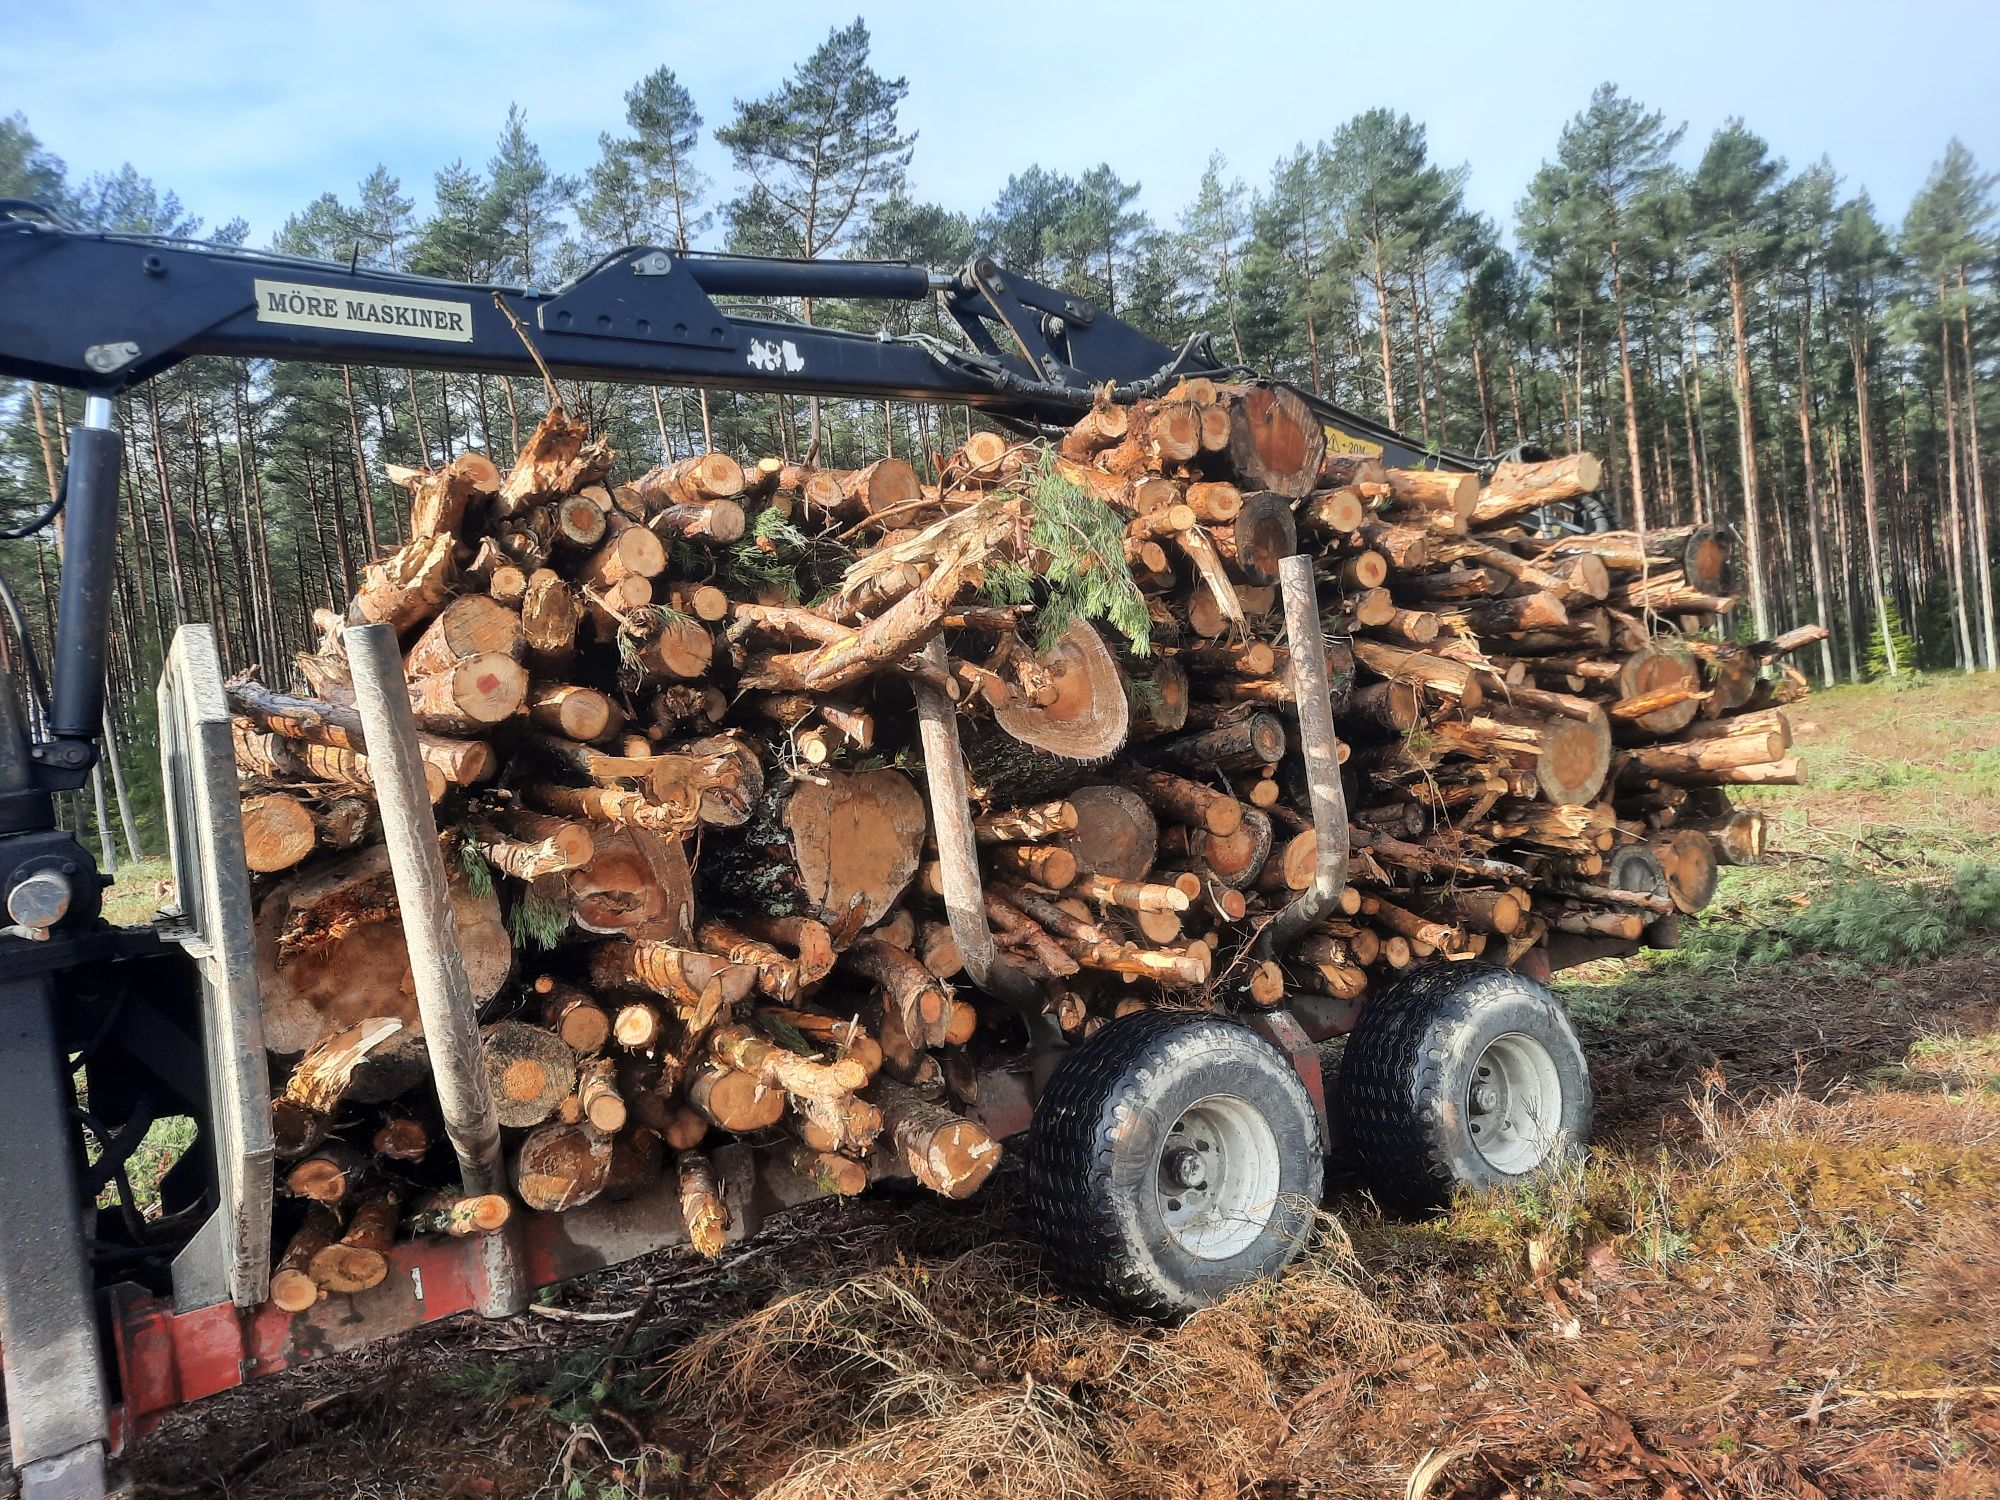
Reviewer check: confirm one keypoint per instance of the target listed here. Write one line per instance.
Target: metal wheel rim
(1217, 1177)
(1514, 1104)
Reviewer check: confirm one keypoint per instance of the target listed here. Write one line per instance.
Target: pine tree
(1891, 652)
(525, 202)
(1733, 199)
(1609, 157)
(1212, 230)
(819, 151)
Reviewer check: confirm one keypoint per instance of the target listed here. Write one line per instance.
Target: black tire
(1407, 1080)
(1157, 1081)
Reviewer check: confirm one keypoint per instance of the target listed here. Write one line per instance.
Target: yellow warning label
(1345, 442)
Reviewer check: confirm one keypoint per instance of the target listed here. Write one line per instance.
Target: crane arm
(103, 312)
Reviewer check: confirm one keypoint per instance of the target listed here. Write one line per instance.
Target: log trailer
(109, 1318)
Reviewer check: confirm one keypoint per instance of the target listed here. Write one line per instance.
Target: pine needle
(536, 921)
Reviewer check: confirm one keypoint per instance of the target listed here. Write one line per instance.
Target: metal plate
(231, 1259)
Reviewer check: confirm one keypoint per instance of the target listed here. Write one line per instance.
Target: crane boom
(103, 312)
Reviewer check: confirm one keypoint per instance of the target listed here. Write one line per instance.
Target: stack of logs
(692, 860)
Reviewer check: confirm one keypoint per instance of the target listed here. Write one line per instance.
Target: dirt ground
(1776, 1272)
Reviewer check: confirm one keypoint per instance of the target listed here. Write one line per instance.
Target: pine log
(802, 1077)
(530, 1071)
(579, 713)
(1275, 441)
(1186, 801)
(1516, 488)
(315, 721)
(701, 986)
(459, 1216)
(733, 1100)
(470, 696)
(562, 1165)
(703, 1213)
(808, 940)
(1446, 494)
(470, 625)
(292, 1286)
(278, 832)
(857, 838)
(359, 1259)
(331, 1176)
(947, 1153)
(330, 950)
(559, 458)
(919, 1001)
(407, 587)
(778, 976)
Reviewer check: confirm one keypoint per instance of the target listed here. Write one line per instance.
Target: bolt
(1486, 1098)
(1186, 1169)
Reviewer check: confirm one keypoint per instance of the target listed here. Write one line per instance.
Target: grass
(1772, 1274)
(138, 892)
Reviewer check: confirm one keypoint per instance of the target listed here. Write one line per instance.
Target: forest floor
(1774, 1274)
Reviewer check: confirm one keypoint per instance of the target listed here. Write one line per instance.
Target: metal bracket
(205, 836)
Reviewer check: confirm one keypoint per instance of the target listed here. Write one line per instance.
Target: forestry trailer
(1173, 1153)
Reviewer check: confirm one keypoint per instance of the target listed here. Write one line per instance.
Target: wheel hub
(1514, 1104)
(1184, 1166)
(1217, 1179)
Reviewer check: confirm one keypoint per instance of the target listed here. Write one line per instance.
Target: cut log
(778, 976)
(278, 832)
(460, 1216)
(857, 838)
(551, 612)
(1026, 825)
(1517, 488)
(1275, 441)
(918, 999)
(579, 713)
(1262, 533)
(701, 986)
(597, 1090)
(332, 1175)
(1048, 865)
(559, 458)
(471, 696)
(469, 626)
(1116, 835)
(733, 1100)
(406, 588)
(742, 1049)
(1447, 494)
(529, 1071)
(315, 721)
(1254, 741)
(562, 1165)
(1687, 858)
(635, 883)
(292, 1286)
(359, 1259)
(330, 951)
(1086, 716)
(702, 1211)
(945, 1152)
(1187, 801)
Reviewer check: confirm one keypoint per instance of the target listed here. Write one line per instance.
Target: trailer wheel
(1173, 1159)
(1461, 1075)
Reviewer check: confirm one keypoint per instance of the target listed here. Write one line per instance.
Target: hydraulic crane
(153, 1018)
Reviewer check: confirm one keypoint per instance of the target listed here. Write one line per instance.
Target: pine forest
(1743, 341)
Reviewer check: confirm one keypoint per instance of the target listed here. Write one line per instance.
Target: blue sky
(254, 108)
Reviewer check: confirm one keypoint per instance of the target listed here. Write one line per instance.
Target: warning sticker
(1346, 442)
